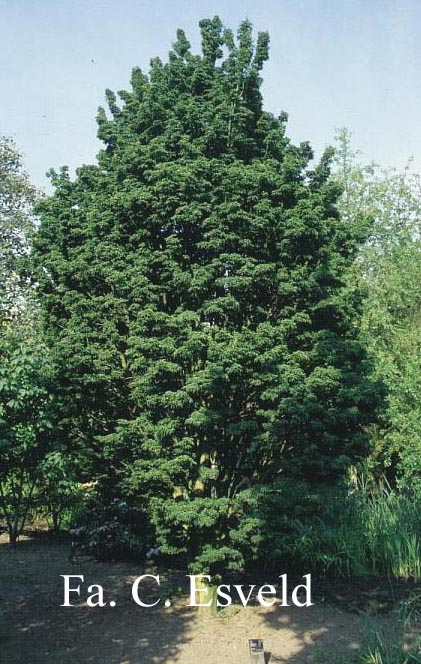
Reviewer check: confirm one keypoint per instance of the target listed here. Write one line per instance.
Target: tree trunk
(13, 538)
(56, 521)
(210, 596)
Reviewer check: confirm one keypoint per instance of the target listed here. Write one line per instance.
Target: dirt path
(34, 628)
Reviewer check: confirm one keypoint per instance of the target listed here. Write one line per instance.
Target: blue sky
(353, 63)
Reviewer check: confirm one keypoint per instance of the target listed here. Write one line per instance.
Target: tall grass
(392, 523)
(372, 531)
(399, 645)
(383, 650)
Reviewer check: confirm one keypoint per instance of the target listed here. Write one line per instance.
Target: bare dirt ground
(34, 628)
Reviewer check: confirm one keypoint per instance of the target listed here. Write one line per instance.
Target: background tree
(17, 197)
(193, 286)
(24, 424)
(387, 203)
(25, 393)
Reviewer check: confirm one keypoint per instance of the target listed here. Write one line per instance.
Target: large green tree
(193, 285)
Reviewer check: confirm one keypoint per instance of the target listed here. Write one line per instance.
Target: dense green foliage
(388, 203)
(25, 390)
(24, 423)
(195, 297)
(364, 531)
(372, 528)
(206, 297)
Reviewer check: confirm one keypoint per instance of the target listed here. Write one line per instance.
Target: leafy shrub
(111, 531)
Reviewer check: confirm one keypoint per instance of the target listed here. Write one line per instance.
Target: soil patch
(34, 628)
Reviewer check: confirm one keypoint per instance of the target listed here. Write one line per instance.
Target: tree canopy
(194, 288)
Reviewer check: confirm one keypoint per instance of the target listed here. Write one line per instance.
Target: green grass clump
(372, 530)
(383, 650)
